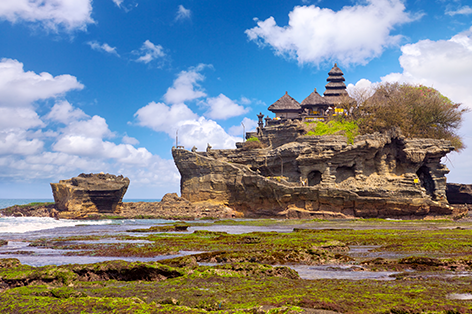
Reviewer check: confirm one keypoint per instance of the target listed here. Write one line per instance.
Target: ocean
(6, 202)
(13, 225)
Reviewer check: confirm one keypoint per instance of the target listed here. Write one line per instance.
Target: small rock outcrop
(459, 193)
(174, 207)
(299, 176)
(88, 194)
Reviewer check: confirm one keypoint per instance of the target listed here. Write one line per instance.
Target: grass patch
(348, 129)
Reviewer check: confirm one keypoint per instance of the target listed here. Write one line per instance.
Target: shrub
(419, 111)
(253, 139)
(252, 143)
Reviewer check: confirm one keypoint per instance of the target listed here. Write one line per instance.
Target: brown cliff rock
(379, 175)
(174, 207)
(459, 193)
(89, 194)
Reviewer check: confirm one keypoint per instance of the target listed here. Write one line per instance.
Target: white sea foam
(26, 224)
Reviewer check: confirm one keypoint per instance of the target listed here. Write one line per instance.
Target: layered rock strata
(89, 194)
(378, 175)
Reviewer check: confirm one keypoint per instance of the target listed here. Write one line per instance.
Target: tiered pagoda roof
(335, 94)
(336, 88)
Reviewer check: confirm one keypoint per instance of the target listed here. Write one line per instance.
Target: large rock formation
(88, 194)
(459, 193)
(295, 175)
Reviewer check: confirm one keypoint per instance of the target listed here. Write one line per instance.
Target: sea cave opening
(314, 178)
(344, 173)
(426, 180)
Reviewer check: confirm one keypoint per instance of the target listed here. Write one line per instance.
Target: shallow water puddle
(350, 272)
(42, 257)
(460, 296)
(370, 251)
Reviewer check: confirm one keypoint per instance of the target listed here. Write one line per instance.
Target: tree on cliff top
(419, 111)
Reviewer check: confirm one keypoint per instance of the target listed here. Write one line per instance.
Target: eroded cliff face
(379, 175)
(89, 193)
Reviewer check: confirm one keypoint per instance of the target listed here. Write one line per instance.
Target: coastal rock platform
(294, 175)
(170, 207)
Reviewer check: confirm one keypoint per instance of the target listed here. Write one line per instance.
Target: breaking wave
(27, 224)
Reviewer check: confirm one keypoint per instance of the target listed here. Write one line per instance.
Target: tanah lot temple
(314, 107)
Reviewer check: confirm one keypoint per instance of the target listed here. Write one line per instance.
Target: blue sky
(92, 86)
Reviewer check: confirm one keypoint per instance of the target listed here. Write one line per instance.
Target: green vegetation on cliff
(334, 127)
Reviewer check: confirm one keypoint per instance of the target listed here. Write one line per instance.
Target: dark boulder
(459, 193)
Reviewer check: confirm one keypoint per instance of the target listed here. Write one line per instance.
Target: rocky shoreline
(170, 207)
(174, 207)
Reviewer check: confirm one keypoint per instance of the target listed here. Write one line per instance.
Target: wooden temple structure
(314, 107)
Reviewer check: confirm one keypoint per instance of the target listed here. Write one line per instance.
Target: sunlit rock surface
(88, 194)
(300, 176)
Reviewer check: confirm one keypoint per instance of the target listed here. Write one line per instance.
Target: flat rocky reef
(170, 207)
(428, 266)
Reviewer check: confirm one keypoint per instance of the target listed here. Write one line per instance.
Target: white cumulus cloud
(163, 118)
(18, 142)
(249, 126)
(95, 127)
(175, 115)
(118, 2)
(202, 131)
(183, 13)
(103, 47)
(465, 10)
(129, 140)
(150, 52)
(65, 113)
(186, 86)
(353, 35)
(444, 64)
(19, 118)
(20, 88)
(192, 129)
(221, 107)
(80, 143)
(51, 14)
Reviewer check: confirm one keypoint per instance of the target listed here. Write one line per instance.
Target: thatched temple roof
(314, 99)
(335, 94)
(285, 103)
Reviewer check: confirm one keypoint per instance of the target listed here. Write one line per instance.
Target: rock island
(283, 171)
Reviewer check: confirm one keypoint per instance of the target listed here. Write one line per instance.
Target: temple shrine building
(314, 107)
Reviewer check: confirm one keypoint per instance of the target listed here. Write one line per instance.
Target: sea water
(29, 224)
(4, 202)
(12, 225)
